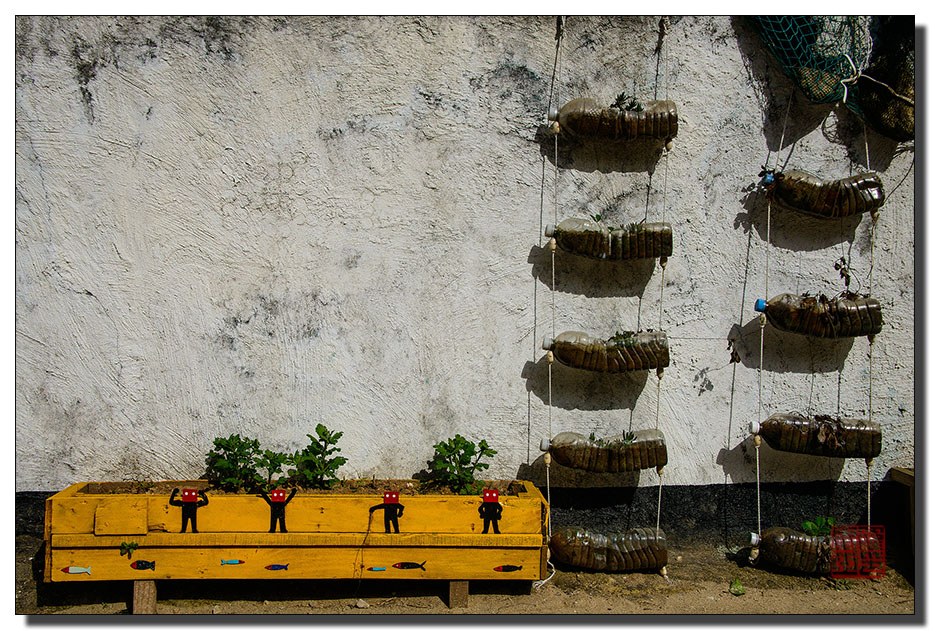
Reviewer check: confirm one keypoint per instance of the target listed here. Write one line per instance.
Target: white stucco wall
(255, 225)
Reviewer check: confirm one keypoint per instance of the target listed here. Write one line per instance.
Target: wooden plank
(292, 539)
(144, 597)
(443, 563)
(124, 515)
(310, 513)
(458, 593)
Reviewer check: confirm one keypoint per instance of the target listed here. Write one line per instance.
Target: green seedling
(316, 464)
(455, 463)
(820, 526)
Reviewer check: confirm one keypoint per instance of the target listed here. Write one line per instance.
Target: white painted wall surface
(238, 225)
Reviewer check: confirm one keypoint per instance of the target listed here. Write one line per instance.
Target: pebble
(362, 604)
(216, 610)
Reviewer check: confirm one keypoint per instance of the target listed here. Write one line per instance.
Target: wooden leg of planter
(458, 593)
(143, 597)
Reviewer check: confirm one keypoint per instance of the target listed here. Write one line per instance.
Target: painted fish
(231, 561)
(409, 565)
(76, 570)
(507, 568)
(142, 565)
(277, 567)
(377, 568)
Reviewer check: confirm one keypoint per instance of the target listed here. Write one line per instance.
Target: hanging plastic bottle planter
(585, 237)
(584, 117)
(638, 549)
(821, 435)
(803, 192)
(823, 317)
(631, 451)
(796, 551)
(624, 352)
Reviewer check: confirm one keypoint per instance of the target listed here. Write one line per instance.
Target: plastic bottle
(823, 317)
(636, 351)
(820, 435)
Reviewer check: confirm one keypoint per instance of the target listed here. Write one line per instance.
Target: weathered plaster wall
(254, 225)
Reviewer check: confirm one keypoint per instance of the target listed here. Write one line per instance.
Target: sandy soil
(699, 576)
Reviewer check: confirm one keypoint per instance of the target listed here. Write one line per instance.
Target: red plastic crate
(858, 551)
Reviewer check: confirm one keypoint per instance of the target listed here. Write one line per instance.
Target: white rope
(758, 492)
(659, 501)
(555, 210)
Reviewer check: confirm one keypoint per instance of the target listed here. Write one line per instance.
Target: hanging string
(768, 241)
(549, 356)
(868, 495)
(758, 443)
(663, 25)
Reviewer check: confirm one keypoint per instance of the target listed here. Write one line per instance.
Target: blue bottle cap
(760, 305)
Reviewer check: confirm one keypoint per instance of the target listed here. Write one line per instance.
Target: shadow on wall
(565, 477)
(593, 278)
(582, 389)
(606, 156)
(793, 230)
(789, 352)
(774, 89)
(739, 463)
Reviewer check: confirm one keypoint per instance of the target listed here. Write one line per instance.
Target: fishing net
(865, 62)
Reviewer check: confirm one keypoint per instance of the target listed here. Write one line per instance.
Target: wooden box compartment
(328, 537)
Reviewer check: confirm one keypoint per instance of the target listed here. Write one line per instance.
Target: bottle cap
(754, 539)
(754, 427)
(553, 113)
(544, 444)
(547, 343)
(550, 230)
(760, 305)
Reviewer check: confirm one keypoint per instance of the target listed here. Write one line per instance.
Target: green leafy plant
(315, 465)
(819, 526)
(737, 588)
(595, 217)
(455, 463)
(273, 463)
(231, 464)
(628, 438)
(628, 103)
(127, 548)
(622, 337)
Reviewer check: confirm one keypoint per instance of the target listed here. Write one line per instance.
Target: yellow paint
(328, 535)
(303, 563)
(290, 539)
(121, 515)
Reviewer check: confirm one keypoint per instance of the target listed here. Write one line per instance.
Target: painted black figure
(189, 504)
(277, 503)
(392, 511)
(490, 511)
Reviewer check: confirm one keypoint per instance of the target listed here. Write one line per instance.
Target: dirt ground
(699, 577)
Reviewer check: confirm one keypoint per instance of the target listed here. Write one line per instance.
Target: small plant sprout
(316, 464)
(628, 438)
(231, 465)
(455, 463)
(820, 526)
(737, 588)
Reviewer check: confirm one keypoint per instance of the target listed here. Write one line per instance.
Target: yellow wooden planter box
(328, 537)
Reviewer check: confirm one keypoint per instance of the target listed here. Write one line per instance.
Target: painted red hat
(391, 497)
(188, 495)
(490, 496)
(278, 495)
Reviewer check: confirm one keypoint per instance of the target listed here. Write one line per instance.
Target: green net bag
(865, 62)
